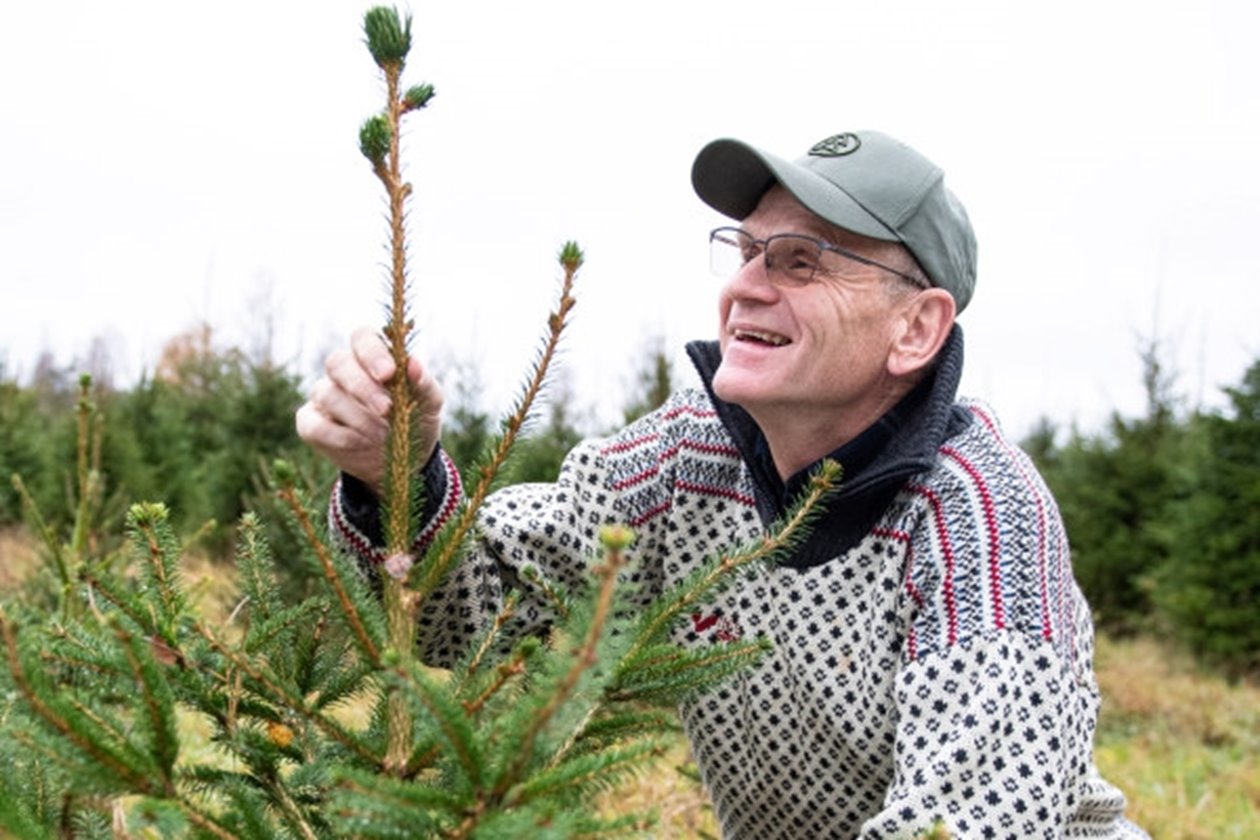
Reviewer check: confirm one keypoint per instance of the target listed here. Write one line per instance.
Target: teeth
(765, 338)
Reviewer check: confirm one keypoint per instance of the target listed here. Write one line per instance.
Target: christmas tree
(322, 721)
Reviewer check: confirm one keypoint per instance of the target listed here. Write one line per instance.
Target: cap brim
(731, 177)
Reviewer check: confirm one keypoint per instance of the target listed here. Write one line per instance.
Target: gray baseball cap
(863, 181)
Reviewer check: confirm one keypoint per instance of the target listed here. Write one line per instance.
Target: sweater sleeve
(993, 739)
(995, 697)
(354, 512)
(529, 538)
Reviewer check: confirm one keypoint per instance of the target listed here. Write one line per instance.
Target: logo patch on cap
(837, 145)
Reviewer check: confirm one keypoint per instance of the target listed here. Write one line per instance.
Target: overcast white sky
(166, 163)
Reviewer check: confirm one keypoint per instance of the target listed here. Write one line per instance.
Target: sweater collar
(900, 444)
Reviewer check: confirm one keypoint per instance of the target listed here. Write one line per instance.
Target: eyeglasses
(790, 258)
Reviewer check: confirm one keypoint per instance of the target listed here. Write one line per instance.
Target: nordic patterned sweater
(932, 655)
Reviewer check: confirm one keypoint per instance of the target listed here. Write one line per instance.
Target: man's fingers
(372, 354)
(314, 427)
(427, 392)
(352, 449)
(338, 423)
(346, 417)
(345, 372)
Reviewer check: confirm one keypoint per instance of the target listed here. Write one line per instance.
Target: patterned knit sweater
(932, 655)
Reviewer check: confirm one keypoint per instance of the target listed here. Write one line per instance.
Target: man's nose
(752, 281)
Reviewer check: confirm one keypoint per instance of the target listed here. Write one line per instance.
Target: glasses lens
(729, 249)
(793, 258)
(789, 259)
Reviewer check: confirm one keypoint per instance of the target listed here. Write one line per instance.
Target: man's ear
(924, 324)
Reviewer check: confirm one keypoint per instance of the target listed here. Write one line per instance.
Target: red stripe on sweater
(912, 639)
(990, 524)
(674, 413)
(454, 492)
(672, 452)
(1035, 492)
(627, 445)
(722, 492)
(942, 534)
(650, 514)
(637, 478)
(709, 448)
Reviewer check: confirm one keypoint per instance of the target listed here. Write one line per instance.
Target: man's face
(806, 352)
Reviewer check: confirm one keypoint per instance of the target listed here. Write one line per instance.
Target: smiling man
(932, 655)
(819, 338)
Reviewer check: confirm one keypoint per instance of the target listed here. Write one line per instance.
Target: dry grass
(212, 588)
(19, 554)
(1181, 743)
(679, 802)
(211, 583)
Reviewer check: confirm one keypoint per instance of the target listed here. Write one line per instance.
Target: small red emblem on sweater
(726, 630)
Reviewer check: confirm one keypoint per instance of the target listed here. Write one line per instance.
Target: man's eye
(750, 253)
(801, 259)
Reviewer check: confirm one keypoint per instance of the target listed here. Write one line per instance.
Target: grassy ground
(1180, 742)
(18, 556)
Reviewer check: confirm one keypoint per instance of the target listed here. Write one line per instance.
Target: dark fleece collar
(876, 464)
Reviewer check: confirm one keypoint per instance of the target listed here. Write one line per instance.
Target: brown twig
(504, 615)
(289, 496)
(505, 671)
(556, 322)
(152, 703)
(154, 555)
(401, 628)
(584, 658)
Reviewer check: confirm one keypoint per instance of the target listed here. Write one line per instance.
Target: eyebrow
(813, 231)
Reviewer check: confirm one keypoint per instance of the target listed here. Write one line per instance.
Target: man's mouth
(758, 337)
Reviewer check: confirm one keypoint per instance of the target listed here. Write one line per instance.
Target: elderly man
(931, 651)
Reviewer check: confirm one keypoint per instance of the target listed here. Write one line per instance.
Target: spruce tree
(321, 720)
(1208, 588)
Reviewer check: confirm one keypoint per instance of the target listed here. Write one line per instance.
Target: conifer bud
(279, 734)
(398, 565)
(571, 256)
(827, 475)
(616, 537)
(285, 473)
(418, 96)
(147, 514)
(374, 138)
(388, 35)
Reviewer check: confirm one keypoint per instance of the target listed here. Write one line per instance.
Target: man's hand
(346, 418)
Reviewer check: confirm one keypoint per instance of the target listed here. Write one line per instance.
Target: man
(932, 653)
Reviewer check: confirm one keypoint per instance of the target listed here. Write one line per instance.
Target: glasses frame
(764, 244)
